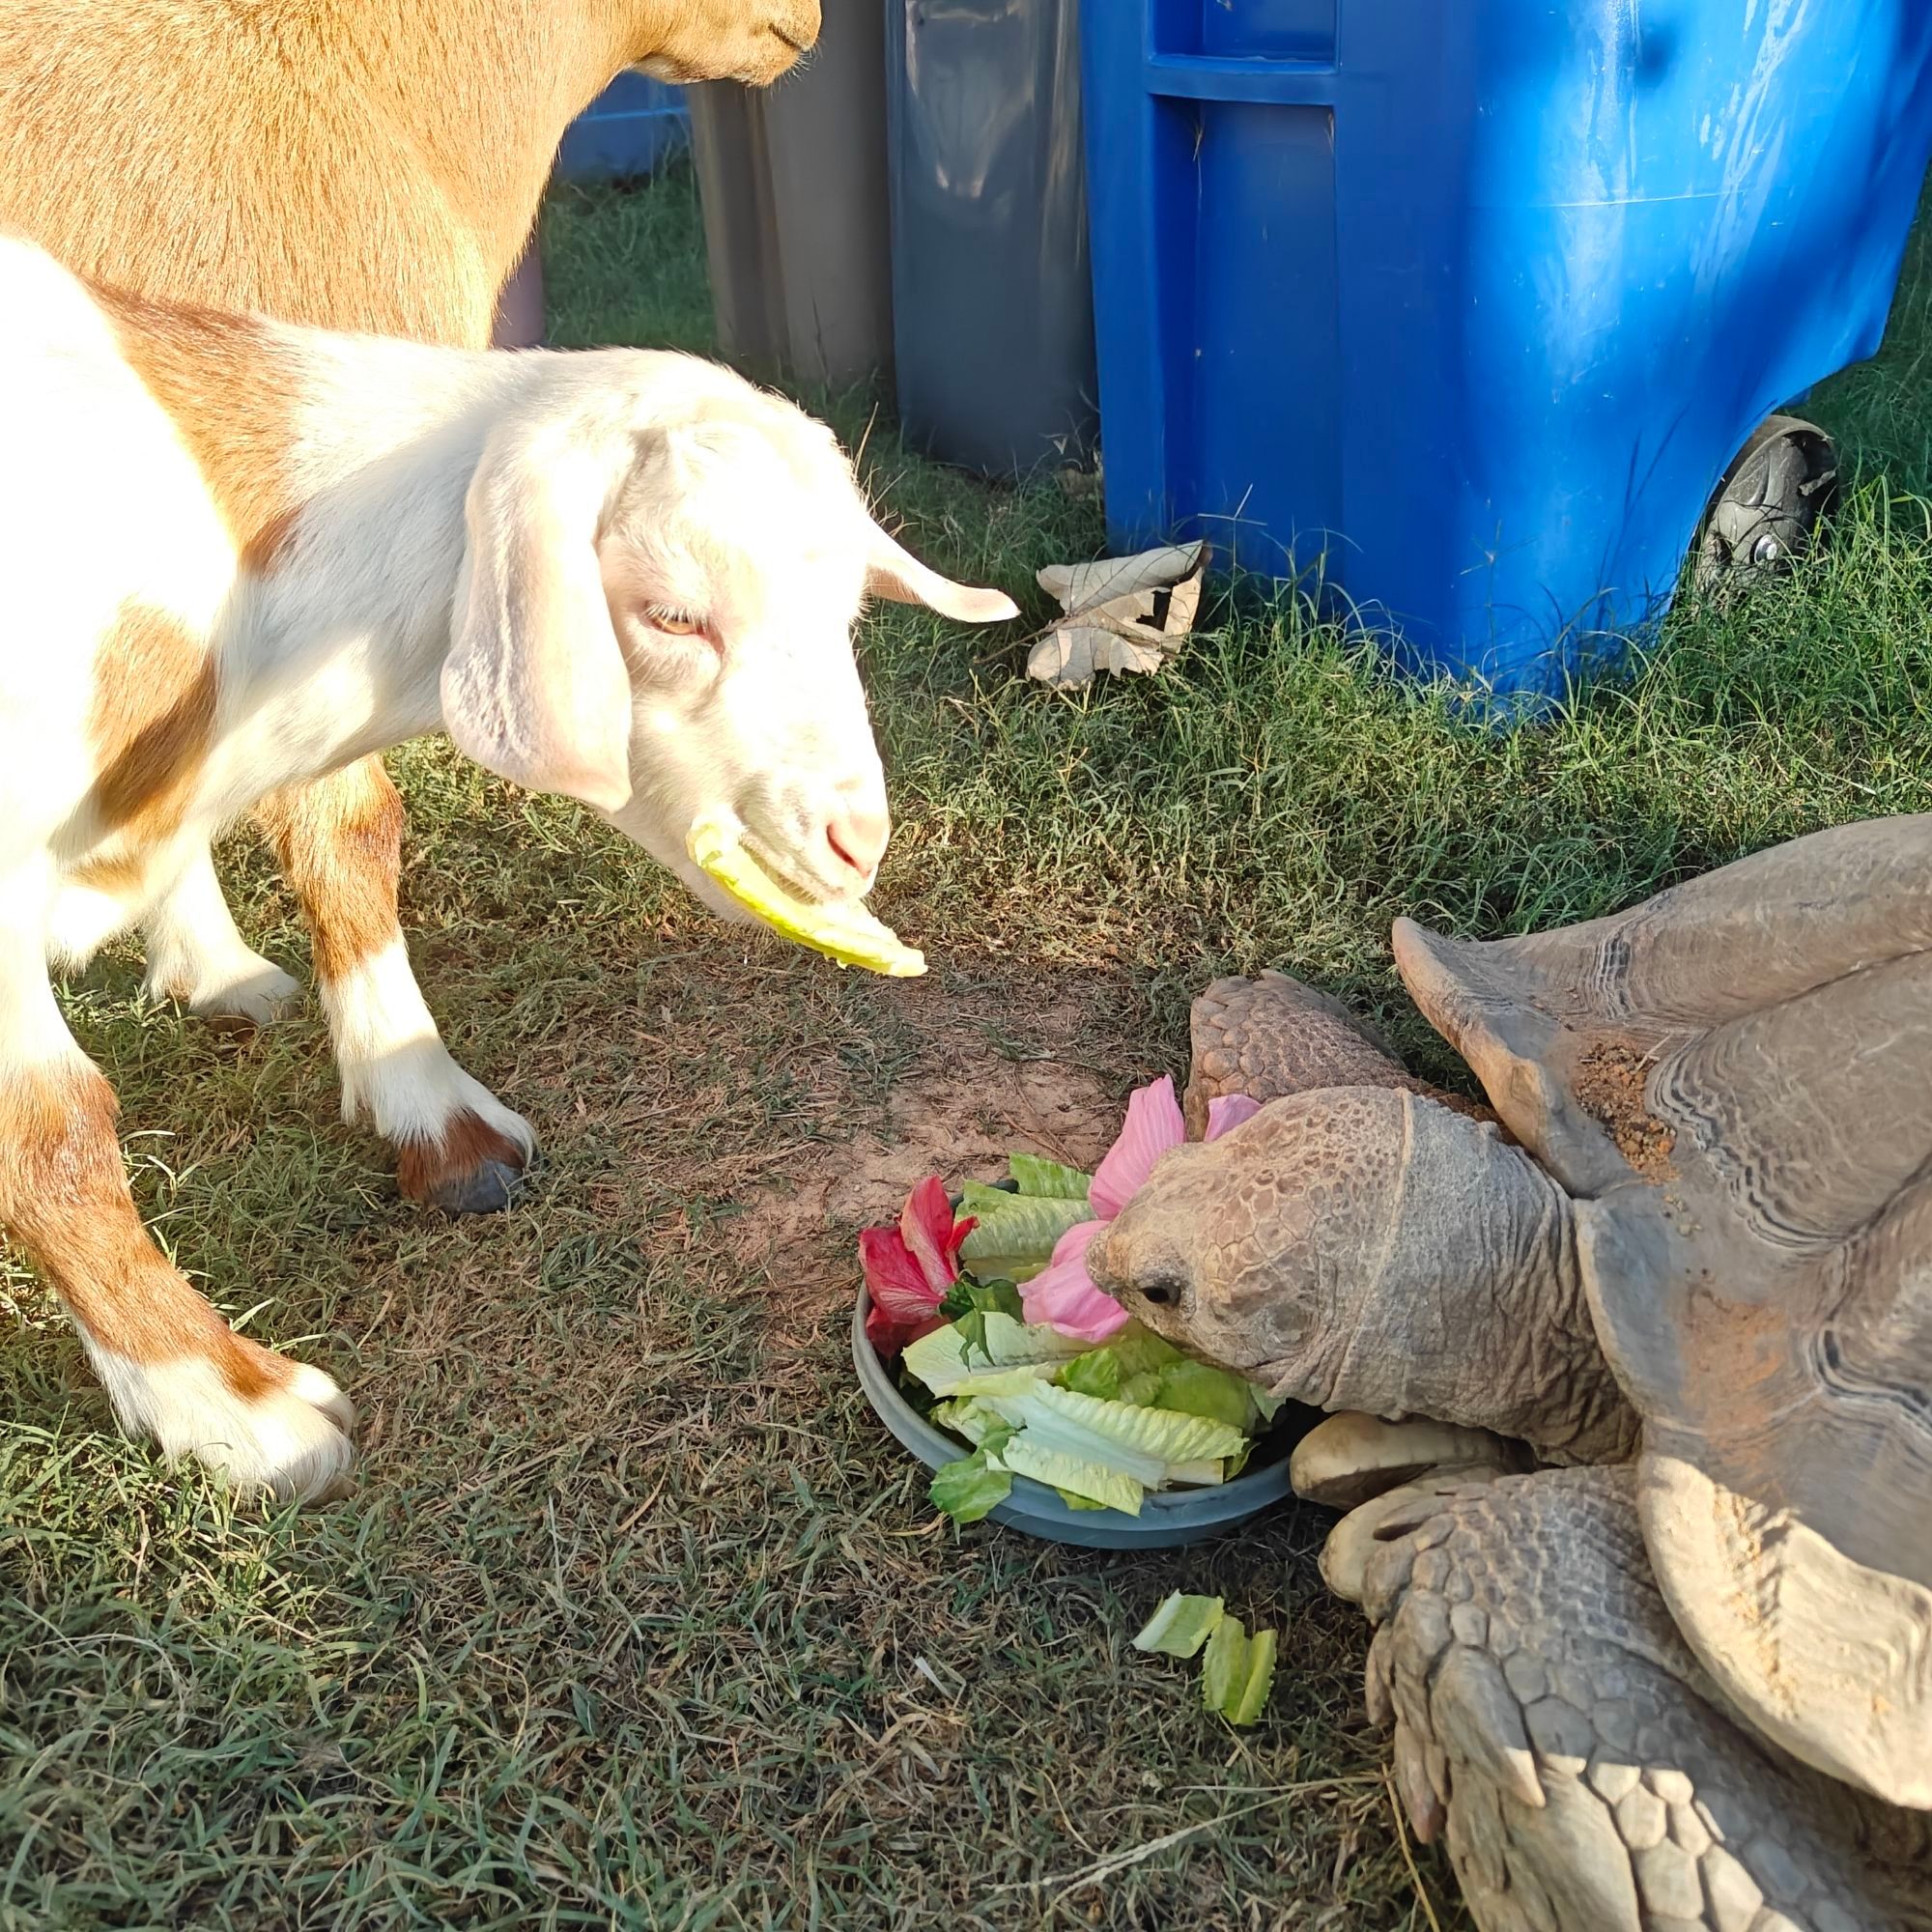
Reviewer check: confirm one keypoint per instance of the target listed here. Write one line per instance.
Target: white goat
(239, 555)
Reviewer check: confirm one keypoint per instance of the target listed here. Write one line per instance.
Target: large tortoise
(1674, 1667)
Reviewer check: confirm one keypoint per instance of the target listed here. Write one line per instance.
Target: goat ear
(535, 688)
(895, 575)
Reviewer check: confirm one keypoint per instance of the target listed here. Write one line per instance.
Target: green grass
(638, 1619)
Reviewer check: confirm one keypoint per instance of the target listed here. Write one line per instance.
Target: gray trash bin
(992, 296)
(792, 181)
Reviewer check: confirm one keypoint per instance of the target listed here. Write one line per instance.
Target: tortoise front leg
(1550, 1722)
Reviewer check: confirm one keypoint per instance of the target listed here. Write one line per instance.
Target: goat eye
(675, 623)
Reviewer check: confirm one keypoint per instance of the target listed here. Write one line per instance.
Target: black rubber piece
(1772, 504)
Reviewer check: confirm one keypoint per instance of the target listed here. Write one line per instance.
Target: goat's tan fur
(363, 165)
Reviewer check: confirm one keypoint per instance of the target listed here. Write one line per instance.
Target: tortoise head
(1213, 1253)
(1366, 1248)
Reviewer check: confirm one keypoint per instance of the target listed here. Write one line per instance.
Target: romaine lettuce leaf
(972, 1488)
(1096, 1373)
(1101, 1483)
(1048, 1179)
(1252, 1696)
(1210, 1473)
(1141, 1349)
(1193, 1388)
(1017, 1239)
(1181, 1626)
(987, 1382)
(1224, 1665)
(940, 1359)
(979, 1198)
(1113, 1431)
(978, 1422)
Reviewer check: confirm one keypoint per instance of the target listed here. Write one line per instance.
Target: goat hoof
(474, 1167)
(486, 1189)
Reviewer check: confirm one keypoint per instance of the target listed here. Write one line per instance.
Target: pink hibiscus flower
(1063, 1294)
(909, 1269)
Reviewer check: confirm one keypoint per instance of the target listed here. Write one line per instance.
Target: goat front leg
(171, 1367)
(196, 955)
(340, 841)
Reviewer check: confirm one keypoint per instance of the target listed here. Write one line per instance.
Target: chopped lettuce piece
(1252, 1695)
(847, 933)
(1224, 1664)
(990, 1296)
(972, 1488)
(1270, 1405)
(1074, 1502)
(1098, 1482)
(1096, 1373)
(966, 1419)
(1051, 1432)
(1139, 1391)
(944, 1359)
(1181, 1626)
(1113, 1431)
(968, 1304)
(982, 1197)
(1141, 1349)
(1193, 1388)
(1210, 1473)
(990, 1383)
(1048, 1179)
(1017, 1239)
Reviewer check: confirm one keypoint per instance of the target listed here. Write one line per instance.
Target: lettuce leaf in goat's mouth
(846, 934)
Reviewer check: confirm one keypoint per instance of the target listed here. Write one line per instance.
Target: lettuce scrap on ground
(1224, 1664)
(1181, 1626)
(1253, 1699)
(1236, 1670)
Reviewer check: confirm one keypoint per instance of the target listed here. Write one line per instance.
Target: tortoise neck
(1474, 1311)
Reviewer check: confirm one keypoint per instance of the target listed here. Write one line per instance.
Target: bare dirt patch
(984, 1079)
(1609, 1084)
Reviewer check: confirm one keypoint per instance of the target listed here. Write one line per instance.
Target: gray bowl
(1168, 1518)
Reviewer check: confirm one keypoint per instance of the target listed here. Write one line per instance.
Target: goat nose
(857, 834)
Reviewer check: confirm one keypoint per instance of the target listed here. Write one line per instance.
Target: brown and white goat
(240, 555)
(354, 164)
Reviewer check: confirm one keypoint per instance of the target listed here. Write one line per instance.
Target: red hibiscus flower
(910, 1268)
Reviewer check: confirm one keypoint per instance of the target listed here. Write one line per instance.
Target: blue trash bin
(1472, 302)
(630, 130)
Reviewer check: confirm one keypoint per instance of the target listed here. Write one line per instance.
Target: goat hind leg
(173, 1368)
(196, 955)
(340, 844)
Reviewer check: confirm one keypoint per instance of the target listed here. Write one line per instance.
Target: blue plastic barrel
(1472, 302)
(631, 129)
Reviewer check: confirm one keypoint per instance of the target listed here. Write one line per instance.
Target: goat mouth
(782, 872)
